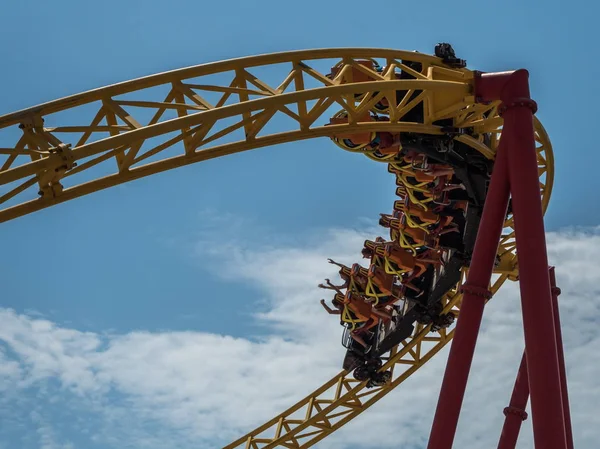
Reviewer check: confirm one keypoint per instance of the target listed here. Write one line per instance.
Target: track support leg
(516, 169)
(471, 310)
(536, 298)
(561, 360)
(512, 88)
(515, 413)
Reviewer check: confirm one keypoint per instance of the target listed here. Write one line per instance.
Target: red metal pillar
(471, 309)
(515, 413)
(561, 360)
(538, 321)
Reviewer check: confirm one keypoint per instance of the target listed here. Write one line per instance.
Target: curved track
(75, 146)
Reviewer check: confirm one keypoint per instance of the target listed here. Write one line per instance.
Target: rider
(349, 276)
(363, 311)
(404, 260)
(381, 142)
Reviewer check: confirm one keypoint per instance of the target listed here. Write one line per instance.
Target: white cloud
(147, 389)
(46, 434)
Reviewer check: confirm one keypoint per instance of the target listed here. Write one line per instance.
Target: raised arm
(329, 310)
(331, 261)
(330, 286)
(335, 287)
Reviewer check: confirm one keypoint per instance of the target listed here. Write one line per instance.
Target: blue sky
(136, 258)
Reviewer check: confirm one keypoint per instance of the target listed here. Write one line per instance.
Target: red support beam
(561, 360)
(471, 310)
(512, 88)
(515, 413)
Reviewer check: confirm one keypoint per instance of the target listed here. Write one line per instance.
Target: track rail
(342, 399)
(87, 142)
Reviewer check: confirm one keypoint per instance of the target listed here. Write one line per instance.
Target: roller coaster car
(356, 139)
(380, 143)
(425, 308)
(381, 339)
(471, 169)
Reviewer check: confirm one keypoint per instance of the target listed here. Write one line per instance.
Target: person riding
(430, 221)
(417, 165)
(417, 240)
(412, 268)
(403, 260)
(350, 277)
(363, 311)
(382, 143)
(424, 189)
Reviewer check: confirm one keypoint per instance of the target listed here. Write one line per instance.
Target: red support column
(538, 321)
(515, 412)
(561, 360)
(471, 310)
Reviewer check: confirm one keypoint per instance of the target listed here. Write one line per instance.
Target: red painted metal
(561, 360)
(515, 413)
(516, 169)
(512, 88)
(475, 290)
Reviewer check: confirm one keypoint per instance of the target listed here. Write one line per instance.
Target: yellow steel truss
(61, 150)
(342, 398)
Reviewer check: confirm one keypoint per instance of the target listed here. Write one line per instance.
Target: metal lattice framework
(75, 146)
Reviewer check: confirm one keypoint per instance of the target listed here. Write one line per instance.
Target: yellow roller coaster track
(87, 142)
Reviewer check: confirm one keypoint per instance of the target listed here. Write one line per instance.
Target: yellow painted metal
(222, 108)
(133, 125)
(343, 398)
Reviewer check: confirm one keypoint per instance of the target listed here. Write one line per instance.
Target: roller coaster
(474, 174)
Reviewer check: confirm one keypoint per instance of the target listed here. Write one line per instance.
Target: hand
(330, 261)
(327, 280)
(321, 286)
(323, 302)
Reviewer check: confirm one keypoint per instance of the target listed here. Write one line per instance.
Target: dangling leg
(382, 314)
(358, 339)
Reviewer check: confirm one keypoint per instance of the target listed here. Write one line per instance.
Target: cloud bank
(194, 389)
